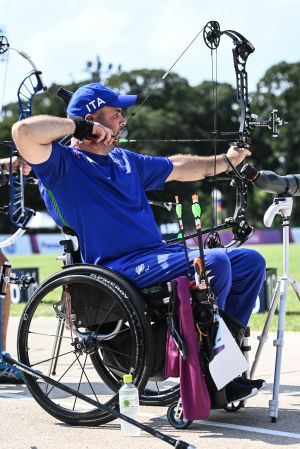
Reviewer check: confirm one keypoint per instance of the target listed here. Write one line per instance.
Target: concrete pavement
(25, 425)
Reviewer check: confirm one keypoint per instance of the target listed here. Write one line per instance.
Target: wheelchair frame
(78, 333)
(128, 301)
(109, 410)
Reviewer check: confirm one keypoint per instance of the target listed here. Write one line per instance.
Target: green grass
(48, 264)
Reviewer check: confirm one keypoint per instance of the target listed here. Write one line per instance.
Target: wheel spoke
(107, 319)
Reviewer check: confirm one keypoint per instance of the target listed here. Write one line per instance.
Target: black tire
(91, 331)
(155, 393)
(180, 423)
(160, 393)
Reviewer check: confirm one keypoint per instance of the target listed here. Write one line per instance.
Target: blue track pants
(237, 273)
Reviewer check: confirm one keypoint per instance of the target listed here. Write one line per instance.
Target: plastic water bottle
(129, 406)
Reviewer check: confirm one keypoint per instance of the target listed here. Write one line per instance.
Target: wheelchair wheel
(155, 393)
(72, 318)
(175, 417)
(160, 393)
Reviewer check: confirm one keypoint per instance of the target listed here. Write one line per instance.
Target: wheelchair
(86, 326)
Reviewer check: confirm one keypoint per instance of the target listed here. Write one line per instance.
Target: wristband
(83, 128)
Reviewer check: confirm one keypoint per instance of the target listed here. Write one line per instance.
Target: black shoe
(259, 384)
(238, 392)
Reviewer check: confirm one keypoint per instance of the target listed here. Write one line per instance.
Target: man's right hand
(102, 134)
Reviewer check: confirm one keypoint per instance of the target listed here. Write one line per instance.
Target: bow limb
(242, 49)
(28, 88)
(35, 70)
(12, 239)
(19, 214)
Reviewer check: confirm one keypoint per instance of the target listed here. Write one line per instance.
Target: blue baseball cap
(94, 96)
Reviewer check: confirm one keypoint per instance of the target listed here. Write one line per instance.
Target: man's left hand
(237, 155)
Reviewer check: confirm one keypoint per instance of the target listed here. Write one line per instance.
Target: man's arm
(194, 168)
(34, 136)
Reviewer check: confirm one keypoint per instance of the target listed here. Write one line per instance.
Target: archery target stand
(282, 205)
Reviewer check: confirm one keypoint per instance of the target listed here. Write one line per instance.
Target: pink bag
(172, 358)
(193, 390)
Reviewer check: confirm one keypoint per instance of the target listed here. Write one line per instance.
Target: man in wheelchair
(98, 190)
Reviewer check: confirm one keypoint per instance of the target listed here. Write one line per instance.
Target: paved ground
(26, 426)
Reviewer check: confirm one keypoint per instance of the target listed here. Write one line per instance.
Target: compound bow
(242, 49)
(241, 230)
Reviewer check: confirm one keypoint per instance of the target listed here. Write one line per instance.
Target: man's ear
(89, 117)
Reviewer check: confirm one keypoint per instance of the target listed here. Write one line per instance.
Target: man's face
(111, 117)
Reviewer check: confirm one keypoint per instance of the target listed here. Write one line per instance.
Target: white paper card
(230, 362)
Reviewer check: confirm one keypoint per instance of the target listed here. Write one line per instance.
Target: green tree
(177, 110)
(278, 89)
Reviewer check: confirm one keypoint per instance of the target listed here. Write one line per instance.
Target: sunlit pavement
(25, 425)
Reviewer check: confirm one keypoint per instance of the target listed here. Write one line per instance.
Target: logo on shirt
(122, 163)
(142, 268)
(117, 161)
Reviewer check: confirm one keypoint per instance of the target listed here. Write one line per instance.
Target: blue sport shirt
(102, 198)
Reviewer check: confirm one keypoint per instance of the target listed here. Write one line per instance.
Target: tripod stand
(282, 205)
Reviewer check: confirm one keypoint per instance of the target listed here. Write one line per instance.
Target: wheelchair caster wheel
(234, 406)
(175, 417)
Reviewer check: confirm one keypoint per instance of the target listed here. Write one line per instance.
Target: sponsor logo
(109, 283)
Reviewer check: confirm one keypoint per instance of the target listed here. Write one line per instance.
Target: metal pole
(279, 342)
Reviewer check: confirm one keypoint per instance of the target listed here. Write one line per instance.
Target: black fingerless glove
(83, 128)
